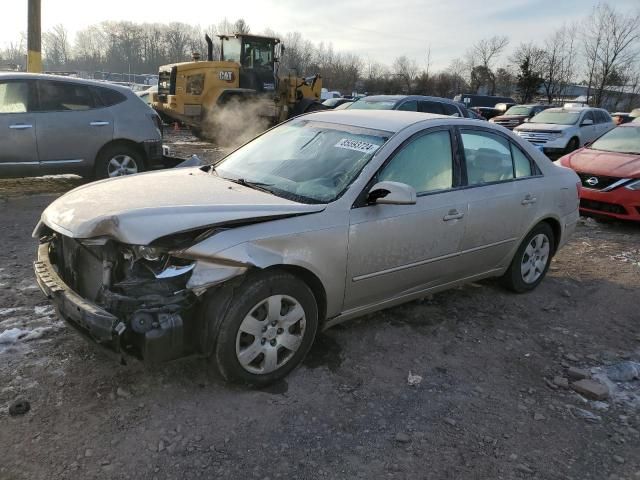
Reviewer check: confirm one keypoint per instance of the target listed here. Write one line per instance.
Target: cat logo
(225, 76)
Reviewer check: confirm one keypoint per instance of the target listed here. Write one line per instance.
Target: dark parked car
(51, 124)
(336, 102)
(471, 100)
(518, 114)
(411, 103)
(486, 112)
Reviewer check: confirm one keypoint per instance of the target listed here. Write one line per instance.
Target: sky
(377, 30)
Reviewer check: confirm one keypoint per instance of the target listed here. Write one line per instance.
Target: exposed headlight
(633, 185)
(153, 254)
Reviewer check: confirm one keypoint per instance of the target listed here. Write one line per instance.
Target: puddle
(324, 352)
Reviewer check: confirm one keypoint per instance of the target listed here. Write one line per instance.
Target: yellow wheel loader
(242, 87)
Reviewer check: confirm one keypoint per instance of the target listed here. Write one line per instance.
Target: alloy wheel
(270, 334)
(120, 165)
(535, 258)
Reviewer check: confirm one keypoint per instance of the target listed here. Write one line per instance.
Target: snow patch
(12, 335)
(43, 311)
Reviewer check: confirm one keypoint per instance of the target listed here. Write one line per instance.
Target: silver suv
(51, 124)
(563, 130)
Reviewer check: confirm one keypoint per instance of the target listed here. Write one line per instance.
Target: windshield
(372, 105)
(558, 117)
(621, 139)
(304, 160)
(518, 111)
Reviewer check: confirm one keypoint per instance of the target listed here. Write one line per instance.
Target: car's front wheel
(531, 261)
(267, 330)
(118, 160)
(573, 144)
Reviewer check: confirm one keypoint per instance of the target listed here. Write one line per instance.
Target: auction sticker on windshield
(357, 145)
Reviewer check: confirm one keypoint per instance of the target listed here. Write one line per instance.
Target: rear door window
(61, 96)
(107, 96)
(426, 106)
(450, 109)
(487, 156)
(410, 106)
(491, 158)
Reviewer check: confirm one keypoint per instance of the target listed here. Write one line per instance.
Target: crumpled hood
(612, 164)
(138, 209)
(547, 127)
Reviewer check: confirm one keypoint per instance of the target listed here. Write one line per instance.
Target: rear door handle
(529, 199)
(452, 215)
(99, 123)
(20, 126)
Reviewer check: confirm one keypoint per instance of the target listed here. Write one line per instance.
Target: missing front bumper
(165, 341)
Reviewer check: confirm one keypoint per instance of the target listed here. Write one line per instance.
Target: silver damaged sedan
(329, 216)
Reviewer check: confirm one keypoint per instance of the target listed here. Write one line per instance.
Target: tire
(256, 344)
(129, 159)
(525, 273)
(573, 144)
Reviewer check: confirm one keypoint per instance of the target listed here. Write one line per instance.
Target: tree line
(600, 51)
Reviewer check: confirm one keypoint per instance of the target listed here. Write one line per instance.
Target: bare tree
(483, 54)
(56, 47)
(406, 70)
(558, 64)
(241, 26)
(610, 42)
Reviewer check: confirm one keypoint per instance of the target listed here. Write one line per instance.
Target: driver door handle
(98, 124)
(20, 126)
(529, 199)
(453, 215)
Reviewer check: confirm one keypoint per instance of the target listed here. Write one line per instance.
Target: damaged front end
(132, 299)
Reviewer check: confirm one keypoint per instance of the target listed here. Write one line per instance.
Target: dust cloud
(238, 121)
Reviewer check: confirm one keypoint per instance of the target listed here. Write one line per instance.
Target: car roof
(60, 78)
(397, 98)
(386, 120)
(570, 109)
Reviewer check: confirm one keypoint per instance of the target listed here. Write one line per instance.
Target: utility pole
(34, 41)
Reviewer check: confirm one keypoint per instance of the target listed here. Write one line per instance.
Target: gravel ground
(485, 406)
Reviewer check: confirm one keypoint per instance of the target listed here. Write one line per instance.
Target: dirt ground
(485, 408)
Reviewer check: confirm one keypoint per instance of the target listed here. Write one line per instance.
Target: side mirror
(392, 193)
(527, 120)
(587, 121)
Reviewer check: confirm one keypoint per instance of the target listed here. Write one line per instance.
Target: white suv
(562, 130)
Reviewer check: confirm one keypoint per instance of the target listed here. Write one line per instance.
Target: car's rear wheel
(268, 329)
(118, 160)
(531, 261)
(573, 144)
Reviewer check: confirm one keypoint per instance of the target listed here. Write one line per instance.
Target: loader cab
(256, 56)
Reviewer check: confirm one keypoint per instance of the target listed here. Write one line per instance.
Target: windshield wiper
(255, 185)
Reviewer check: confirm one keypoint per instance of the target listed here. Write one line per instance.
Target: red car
(609, 170)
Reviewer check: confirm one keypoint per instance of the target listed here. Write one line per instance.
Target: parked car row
(51, 124)
(412, 103)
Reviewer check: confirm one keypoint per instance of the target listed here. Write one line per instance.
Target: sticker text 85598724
(357, 145)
